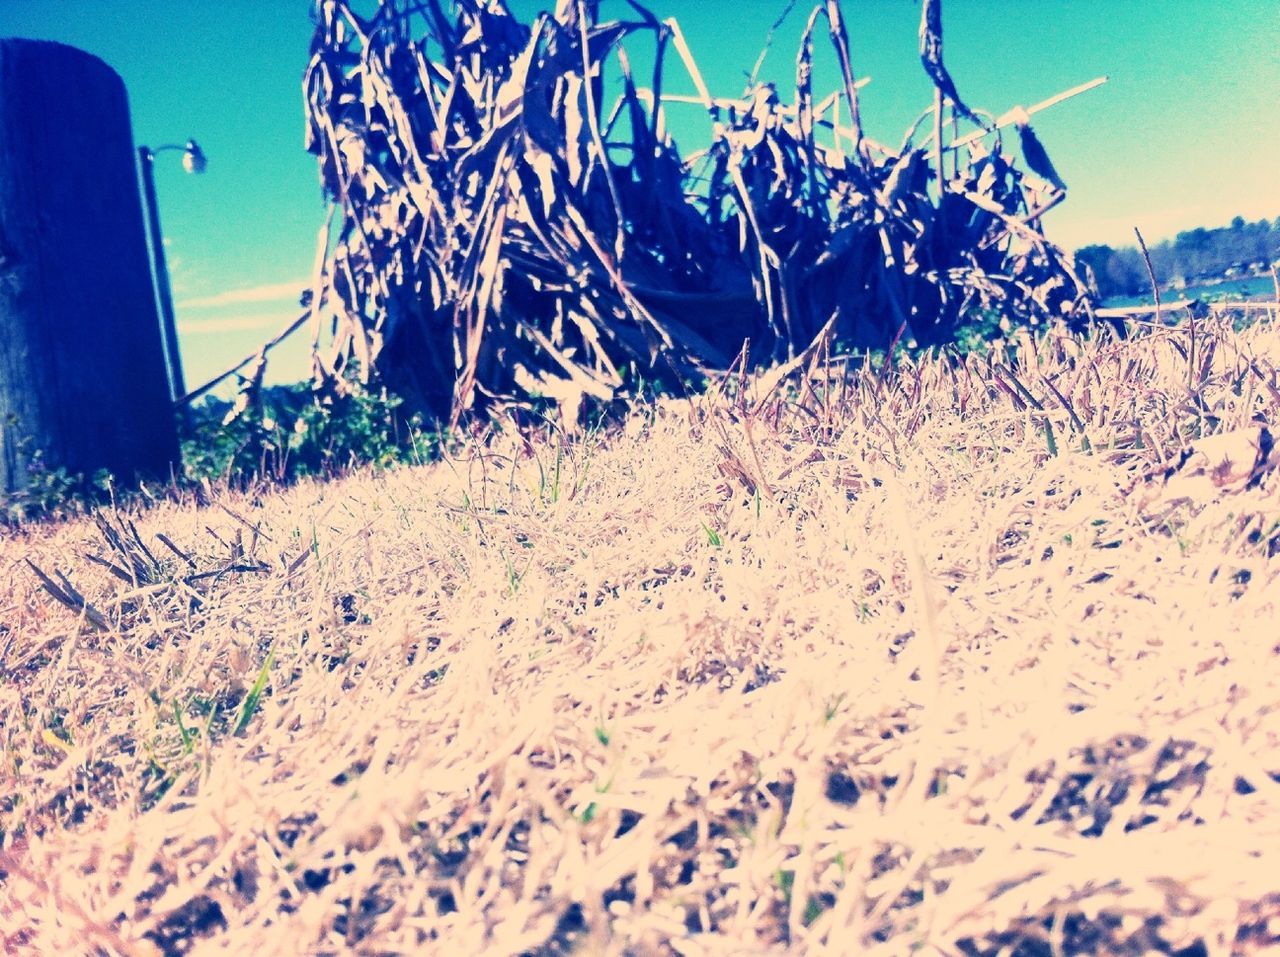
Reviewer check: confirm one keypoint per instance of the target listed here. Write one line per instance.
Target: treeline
(1193, 256)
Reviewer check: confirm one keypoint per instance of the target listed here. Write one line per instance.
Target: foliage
(278, 433)
(505, 230)
(1196, 254)
(979, 332)
(50, 490)
(290, 431)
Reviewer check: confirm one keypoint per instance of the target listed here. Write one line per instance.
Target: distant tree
(1116, 272)
(1164, 260)
(1193, 249)
(1265, 241)
(1199, 253)
(1096, 258)
(1127, 273)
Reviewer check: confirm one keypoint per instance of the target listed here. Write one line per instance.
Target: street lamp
(193, 161)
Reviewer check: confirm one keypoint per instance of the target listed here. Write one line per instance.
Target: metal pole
(164, 296)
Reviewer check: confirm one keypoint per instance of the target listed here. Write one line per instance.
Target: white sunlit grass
(845, 667)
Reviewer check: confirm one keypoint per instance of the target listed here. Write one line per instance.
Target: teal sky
(1185, 133)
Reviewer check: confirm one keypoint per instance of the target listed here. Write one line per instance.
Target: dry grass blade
(835, 659)
(66, 594)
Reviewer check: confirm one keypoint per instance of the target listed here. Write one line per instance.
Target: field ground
(977, 658)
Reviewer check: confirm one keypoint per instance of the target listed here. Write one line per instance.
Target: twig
(1011, 117)
(67, 595)
(256, 529)
(1151, 273)
(593, 129)
(1030, 216)
(280, 336)
(768, 42)
(1155, 291)
(164, 540)
(942, 172)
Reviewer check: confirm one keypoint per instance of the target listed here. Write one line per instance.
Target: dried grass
(514, 219)
(851, 664)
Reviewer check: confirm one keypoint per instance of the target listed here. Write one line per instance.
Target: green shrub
(289, 432)
(50, 490)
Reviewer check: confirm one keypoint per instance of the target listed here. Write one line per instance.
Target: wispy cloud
(271, 292)
(257, 321)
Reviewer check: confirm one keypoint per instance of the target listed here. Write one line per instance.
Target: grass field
(975, 657)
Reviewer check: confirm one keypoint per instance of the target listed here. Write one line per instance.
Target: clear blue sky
(1186, 133)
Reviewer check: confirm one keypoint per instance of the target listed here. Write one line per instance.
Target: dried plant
(972, 655)
(507, 230)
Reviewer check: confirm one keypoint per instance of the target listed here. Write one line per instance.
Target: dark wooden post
(82, 372)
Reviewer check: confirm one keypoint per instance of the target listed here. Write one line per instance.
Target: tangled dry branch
(516, 219)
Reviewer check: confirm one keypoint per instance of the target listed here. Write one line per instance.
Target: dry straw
(515, 219)
(967, 656)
